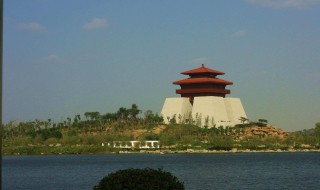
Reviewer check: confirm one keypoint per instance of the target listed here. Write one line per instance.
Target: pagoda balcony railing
(202, 90)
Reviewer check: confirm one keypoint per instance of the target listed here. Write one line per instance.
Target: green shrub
(139, 179)
(51, 140)
(150, 136)
(89, 140)
(70, 140)
(72, 133)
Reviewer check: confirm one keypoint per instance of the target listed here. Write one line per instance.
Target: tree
(221, 130)
(153, 118)
(76, 119)
(140, 179)
(92, 115)
(149, 116)
(173, 119)
(206, 122)
(317, 131)
(109, 117)
(31, 133)
(158, 118)
(49, 133)
(68, 121)
(134, 111)
(243, 119)
(262, 122)
(122, 113)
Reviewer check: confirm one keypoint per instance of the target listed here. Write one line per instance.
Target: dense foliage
(93, 132)
(140, 179)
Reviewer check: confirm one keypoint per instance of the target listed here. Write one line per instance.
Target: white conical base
(178, 107)
(207, 111)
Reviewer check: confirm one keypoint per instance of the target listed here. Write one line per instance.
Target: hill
(97, 132)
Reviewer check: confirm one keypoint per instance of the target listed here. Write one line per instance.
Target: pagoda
(203, 101)
(202, 81)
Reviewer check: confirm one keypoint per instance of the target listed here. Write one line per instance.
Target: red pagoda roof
(202, 70)
(203, 80)
(202, 90)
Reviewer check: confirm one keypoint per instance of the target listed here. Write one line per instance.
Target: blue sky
(63, 58)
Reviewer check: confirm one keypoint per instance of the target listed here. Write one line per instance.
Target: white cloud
(31, 26)
(240, 33)
(96, 23)
(285, 3)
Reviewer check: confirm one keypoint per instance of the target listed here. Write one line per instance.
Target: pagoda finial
(202, 65)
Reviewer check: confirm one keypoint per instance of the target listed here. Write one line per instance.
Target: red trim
(203, 80)
(202, 90)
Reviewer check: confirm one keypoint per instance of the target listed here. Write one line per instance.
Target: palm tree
(243, 120)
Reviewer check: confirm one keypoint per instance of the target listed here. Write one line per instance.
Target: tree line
(92, 129)
(89, 122)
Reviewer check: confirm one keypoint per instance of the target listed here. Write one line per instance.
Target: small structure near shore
(203, 100)
(136, 144)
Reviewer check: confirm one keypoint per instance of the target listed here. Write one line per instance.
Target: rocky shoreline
(191, 151)
(188, 151)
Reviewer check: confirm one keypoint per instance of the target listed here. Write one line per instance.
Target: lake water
(197, 171)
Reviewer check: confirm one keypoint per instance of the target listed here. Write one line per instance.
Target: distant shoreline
(215, 151)
(178, 152)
